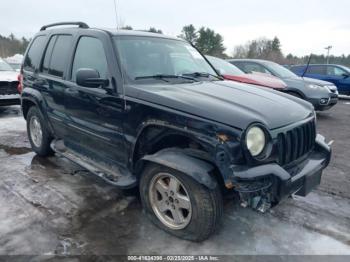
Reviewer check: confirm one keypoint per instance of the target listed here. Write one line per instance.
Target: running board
(112, 175)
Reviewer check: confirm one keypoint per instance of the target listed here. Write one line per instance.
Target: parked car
(15, 61)
(147, 110)
(231, 72)
(8, 85)
(337, 74)
(322, 95)
(15, 66)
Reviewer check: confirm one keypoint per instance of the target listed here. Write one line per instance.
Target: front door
(336, 75)
(95, 115)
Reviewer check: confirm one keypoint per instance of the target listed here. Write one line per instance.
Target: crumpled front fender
(177, 159)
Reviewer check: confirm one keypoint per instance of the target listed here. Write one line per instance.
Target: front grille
(8, 88)
(295, 143)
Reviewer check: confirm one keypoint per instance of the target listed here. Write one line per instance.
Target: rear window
(56, 56)
(48, 52)
(297, 69)
(318, 70)
(32, 59)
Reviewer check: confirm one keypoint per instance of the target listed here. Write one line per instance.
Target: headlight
(332, 87)
(255, 140)
(313, 86)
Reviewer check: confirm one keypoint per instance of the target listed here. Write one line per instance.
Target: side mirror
(88, 77)
(346, 75)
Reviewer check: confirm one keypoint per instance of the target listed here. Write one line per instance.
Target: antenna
(116, 13)
(307, 66)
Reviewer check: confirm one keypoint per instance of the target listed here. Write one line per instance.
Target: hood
(234, 104)
(9, 76)
(316, 81)
(301, 81)
(257, 79)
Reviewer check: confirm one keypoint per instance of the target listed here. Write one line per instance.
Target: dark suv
(143, 109)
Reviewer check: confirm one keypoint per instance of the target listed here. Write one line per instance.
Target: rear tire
(38, 133)
(202, 213)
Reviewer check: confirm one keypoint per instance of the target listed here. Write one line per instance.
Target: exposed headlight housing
(255, 140)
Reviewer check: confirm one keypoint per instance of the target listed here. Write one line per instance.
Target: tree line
(208, 42)
(270, 49)
(11, 45)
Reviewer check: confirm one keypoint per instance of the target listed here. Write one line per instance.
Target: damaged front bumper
(265, 185)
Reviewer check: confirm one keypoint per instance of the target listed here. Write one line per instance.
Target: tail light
(20, 83)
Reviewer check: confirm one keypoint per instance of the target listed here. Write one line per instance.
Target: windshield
(15, 66)
(4, 66)
(224, 67)
(279, 70)
(144, 57)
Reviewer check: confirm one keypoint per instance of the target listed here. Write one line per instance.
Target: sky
(303, 26)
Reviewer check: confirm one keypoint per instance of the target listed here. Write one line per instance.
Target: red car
(231, 72)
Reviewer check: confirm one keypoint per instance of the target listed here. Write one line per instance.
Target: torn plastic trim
(252, 173)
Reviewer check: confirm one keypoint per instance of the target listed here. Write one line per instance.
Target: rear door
(317, 72)
(32, 60)
(95, 114)
(50, 79)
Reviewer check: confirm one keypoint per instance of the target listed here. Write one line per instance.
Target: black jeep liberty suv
(147, 110)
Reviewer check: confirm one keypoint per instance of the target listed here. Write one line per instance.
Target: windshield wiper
(203, 74)
(163, 77)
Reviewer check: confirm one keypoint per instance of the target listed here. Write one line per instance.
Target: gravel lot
(51, 206)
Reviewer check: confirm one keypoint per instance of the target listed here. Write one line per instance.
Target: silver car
(9, 94)
(321, 94)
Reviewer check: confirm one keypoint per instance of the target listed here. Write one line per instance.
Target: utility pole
(328, 48)
(116, 14)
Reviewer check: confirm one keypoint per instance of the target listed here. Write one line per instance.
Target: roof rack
(80, 24)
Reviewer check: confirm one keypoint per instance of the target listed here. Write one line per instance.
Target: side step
(111, 174)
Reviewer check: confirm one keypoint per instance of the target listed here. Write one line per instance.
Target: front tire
(179, 204)
(38, 133)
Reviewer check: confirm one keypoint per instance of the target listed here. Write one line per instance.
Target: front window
(4, 66)
(335, 71)
(144, 57)
(252, 68)
(90, 53)
(280, 71)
